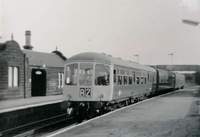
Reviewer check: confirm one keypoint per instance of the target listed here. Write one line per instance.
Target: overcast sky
(122, 28)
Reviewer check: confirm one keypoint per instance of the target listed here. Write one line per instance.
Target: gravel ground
(173, 115)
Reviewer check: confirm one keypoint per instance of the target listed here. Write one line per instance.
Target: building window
(13, 77)
(60, 80)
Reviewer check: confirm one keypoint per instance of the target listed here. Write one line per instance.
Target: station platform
(16, 104)
(175, 114)
(20, 115)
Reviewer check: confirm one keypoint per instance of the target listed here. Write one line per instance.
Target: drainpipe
(25, 75)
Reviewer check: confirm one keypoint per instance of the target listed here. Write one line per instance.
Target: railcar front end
(87, 85)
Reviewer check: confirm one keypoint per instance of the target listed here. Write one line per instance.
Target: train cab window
(137, 80)
(102, 75)
(86, 74)
(114, 76)
(71, 74)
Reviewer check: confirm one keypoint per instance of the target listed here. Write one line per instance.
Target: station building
(13, 69)
(27, 73)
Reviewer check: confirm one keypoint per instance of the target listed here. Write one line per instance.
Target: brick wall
(52, 81)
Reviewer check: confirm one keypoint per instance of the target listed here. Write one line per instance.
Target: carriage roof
(107, 59)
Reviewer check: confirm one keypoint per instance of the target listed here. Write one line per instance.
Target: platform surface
(174, 115)
(16, 104)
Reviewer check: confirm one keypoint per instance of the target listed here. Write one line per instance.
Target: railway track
(35, 127)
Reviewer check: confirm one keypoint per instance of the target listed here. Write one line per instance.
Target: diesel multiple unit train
(96, 82)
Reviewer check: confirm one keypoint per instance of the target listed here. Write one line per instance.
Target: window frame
(109, 74)
(13, 77)
(93, 73)
(60, 80)
(65, 74)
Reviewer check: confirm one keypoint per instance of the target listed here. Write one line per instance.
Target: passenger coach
(97, 80)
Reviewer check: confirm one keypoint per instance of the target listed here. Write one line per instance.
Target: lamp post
(171, 56)
(137, 57)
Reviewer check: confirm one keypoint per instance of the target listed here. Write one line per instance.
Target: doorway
(38, 86)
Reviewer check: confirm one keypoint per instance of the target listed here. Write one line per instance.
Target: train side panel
(131, 83)
(165, 80)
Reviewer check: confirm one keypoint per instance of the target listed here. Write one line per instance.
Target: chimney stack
(28, 40)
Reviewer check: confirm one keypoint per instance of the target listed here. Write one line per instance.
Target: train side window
(133, 77)
(142, 80)
(119, 80)
(102, 74)
(125, 80)
(118, 71)
(114, 76)
(130, 80)
(145, 80)
(137, 80)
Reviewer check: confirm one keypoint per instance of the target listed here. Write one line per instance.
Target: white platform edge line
(69, 128)
(31, 105)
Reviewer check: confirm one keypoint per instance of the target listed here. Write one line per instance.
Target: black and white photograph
(99, 68)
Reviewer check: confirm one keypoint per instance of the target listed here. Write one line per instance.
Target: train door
(38, 84)
(157, 80)
(173, 80)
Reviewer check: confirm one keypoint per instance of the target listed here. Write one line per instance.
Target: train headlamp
(101, 96)
(69, 97)
(120, 92)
